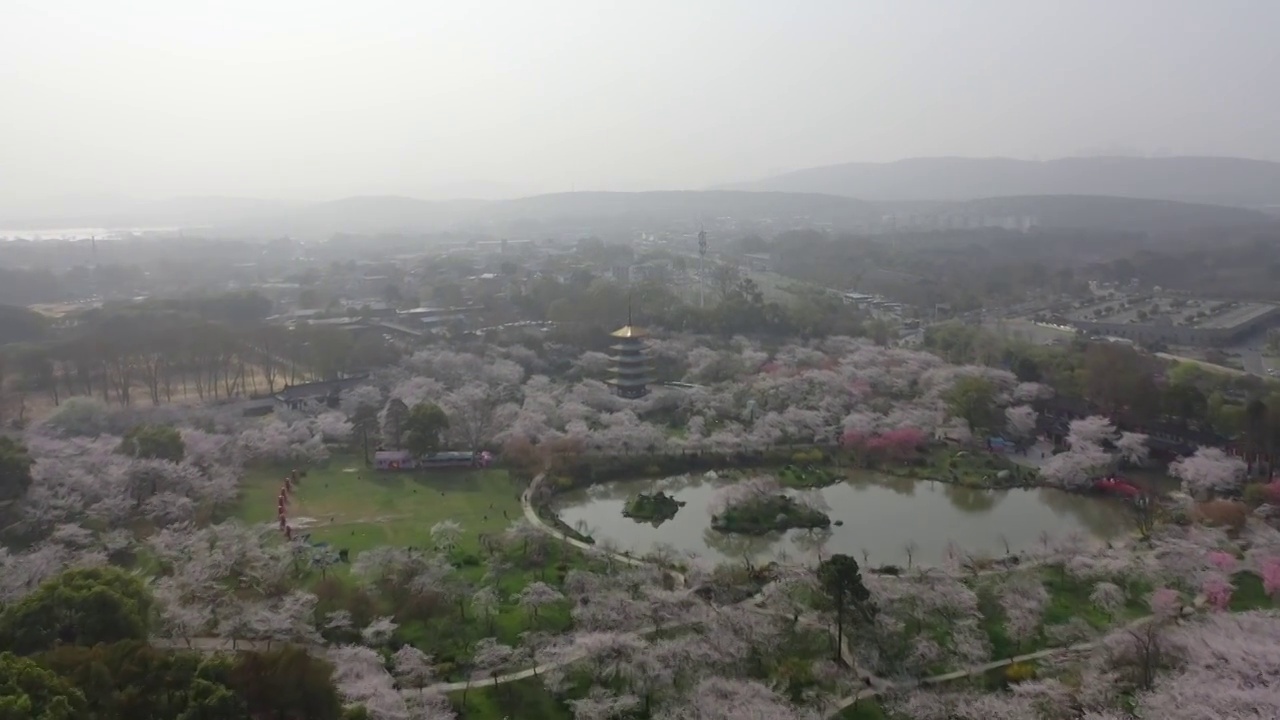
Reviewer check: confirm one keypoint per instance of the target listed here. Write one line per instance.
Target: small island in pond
(807, 477)
(763, 514)
(656, 507)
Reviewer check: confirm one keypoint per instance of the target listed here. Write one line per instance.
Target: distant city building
(630, 362)
(1148, 320)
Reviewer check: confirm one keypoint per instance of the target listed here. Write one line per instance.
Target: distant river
(881, 515)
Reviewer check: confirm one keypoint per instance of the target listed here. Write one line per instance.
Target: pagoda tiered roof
(630, 332)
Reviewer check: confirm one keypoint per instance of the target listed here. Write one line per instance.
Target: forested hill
(621, 214)
(599, 212)
(555, 212)
(1212, 180)
(1111, 213)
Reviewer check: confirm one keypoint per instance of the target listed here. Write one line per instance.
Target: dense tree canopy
(78, 607)
(973, 399)
(15, 471)
(841, 580)
(31, 692)
(154, 442)
(424, 429)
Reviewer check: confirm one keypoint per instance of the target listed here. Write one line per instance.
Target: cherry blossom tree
(379, 631)
(1225, 667)
(83, 479)
(486, 603)
(1270, 572)
(593, 364)
(430, 705)
(1209, 472)
(910, 602)
(1076, 468)
(337, 622)
(1217, 591)
(933, 705)
(493, 657)
(1030, 392)
(535, 596)
(362, 679)
(718, 698)
(412, 667)
(746, 490)
(1023, 600)
(1225, 562)
(1165, 602)
(896, 444)
(1133, 448)
(600, 704)
(209, 450)
(1108, 597)
(332, 427)
(359, 397)
(1092, 430)
(1020, 421)
(445, 535)
(280, 442)
(476, 410)
(179, 618)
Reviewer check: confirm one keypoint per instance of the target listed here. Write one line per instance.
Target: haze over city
(311, 101)
(709, 360)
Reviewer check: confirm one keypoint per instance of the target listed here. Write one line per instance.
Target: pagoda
(630, 361)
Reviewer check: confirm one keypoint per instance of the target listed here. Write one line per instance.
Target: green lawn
(509, 701)
(1068, 599)
(354, 507)
(1249, 593)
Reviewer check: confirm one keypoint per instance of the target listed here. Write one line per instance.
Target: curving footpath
(530, 672)
(887, 686)
(531, 514)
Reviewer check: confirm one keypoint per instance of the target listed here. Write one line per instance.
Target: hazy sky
(311, 99)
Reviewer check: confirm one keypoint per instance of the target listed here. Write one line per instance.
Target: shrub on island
(656, 507)
(757, 506)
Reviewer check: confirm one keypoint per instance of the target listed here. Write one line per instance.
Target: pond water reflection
(881, 515)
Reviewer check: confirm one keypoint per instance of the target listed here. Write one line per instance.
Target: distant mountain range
(917, 194)
(603, 212)
(1092, 212)
(1210, 180)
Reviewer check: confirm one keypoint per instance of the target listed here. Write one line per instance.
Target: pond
(881, 515)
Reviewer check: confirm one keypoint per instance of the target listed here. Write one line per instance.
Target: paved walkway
(887, 686)
(1033, 457)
